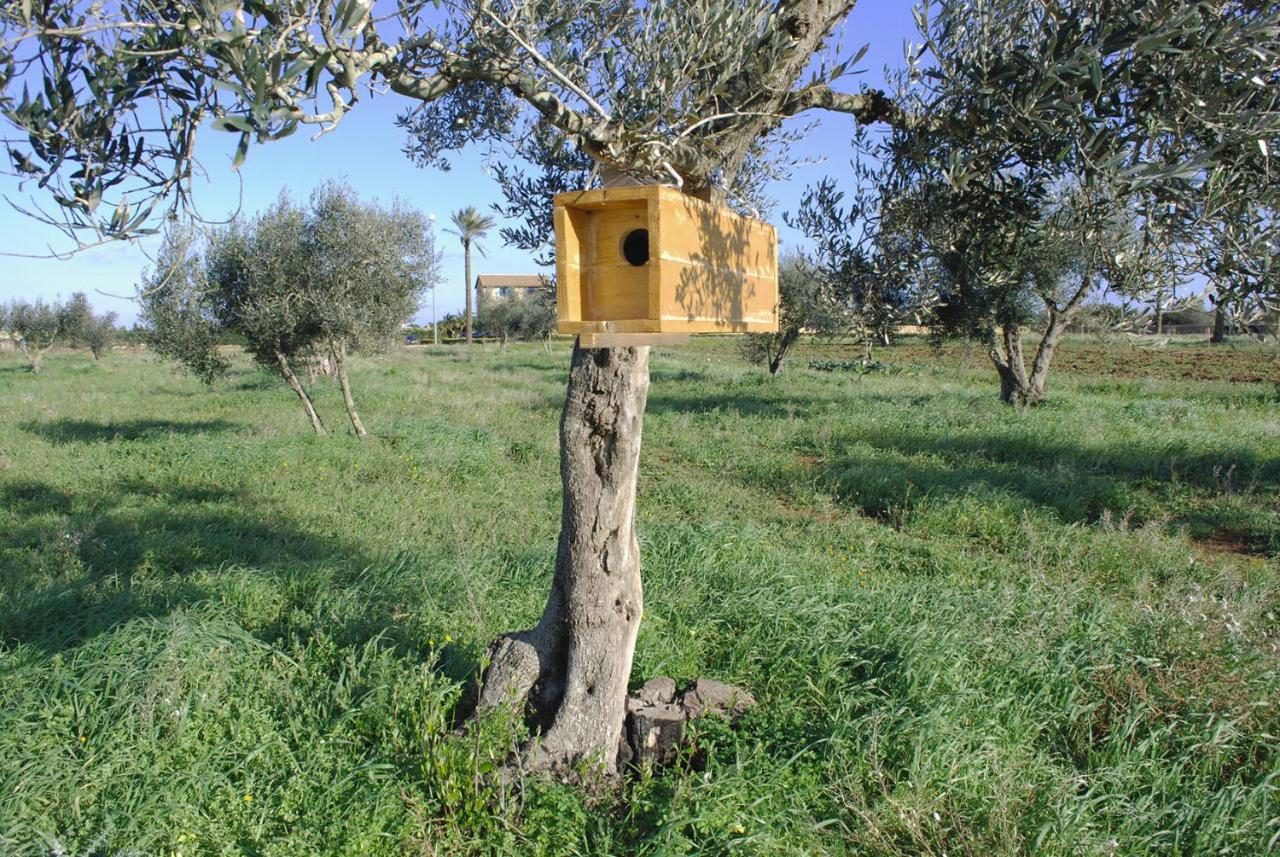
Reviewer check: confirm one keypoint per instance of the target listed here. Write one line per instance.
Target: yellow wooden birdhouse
(649, 264)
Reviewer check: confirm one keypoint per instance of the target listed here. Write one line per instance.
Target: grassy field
(972, 630)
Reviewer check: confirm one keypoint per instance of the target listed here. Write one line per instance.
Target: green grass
(972, 630)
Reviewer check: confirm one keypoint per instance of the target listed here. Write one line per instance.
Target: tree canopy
(293, 283)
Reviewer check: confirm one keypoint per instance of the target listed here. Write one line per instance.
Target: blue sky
(366, 150)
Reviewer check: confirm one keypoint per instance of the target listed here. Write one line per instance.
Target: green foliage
(98, 334)
(366, 267)
(806, 303)
(519, 317)
(968, 633)
(38, 326)
(339, 275)
(178, 321)
(452, 326)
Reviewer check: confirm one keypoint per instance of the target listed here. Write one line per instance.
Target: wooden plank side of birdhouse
(717, 270)
(570, 226)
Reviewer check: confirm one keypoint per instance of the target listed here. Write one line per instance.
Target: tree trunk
(1010, 362)
(1219, 334)
(340, 362)
(1159, 314)
(1039, 380)
(788, 339)
(466, 254)
(34, 358)
(296, 385)
(569, 673)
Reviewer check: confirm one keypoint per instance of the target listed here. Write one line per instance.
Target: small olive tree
(176, 317)
(85, 329)
(806, 304)
(37, 327)
(98, 334)
(531, 318)
(295, 284)
(363, 271)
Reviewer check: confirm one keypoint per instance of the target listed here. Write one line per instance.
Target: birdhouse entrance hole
(635, 247)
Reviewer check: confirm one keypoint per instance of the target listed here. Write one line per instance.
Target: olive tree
(253, 287)
(522, 318)
(98, 334)
(688, 91)
(295, 284)
(1057, 128)
(176, 317)
(85, 329)
(362, 271)
(37, 326)
(805, 304)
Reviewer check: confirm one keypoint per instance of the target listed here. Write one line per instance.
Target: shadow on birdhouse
(651, 265)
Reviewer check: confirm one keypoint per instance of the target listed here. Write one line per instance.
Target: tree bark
(569, 673)
(340, 361)
(294, 384)
(35, 356)
(1219, 334)
(1058, 322)
(466, 254)
(788, 339)
(1007, 355)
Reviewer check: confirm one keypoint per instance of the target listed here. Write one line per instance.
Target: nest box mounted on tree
(648, 265)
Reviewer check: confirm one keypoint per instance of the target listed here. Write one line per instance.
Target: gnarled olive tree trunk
(286, 372)
(1219, 334)
(340, 363)
(569, 672)
(1017, 385)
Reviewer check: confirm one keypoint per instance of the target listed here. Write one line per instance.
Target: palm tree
(470, 226)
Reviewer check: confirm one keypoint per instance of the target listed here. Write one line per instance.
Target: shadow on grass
(1079, 484)
(92, 431)
(749, 404)
(73, 566)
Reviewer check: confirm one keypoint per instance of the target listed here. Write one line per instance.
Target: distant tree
(38, 326)
(470, 226)
(246, 281)
(177, 319)
(297, 285)
(865, 259)
(365, 269)
(538, 318)
(77, 314)
(522, 318)
(498, 317)
(807, 303)
(87, 330)
(98, 334)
